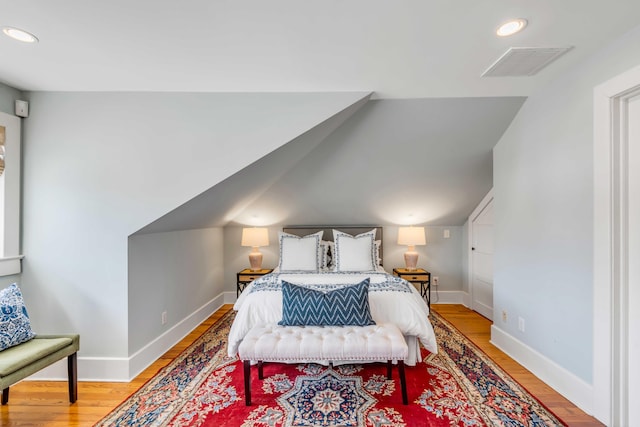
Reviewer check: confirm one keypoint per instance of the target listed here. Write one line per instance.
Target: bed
(344, 257)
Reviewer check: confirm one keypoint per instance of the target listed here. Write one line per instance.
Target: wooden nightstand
(247, 276)
(419, 275)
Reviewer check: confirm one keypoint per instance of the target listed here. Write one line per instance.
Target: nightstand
(247, 276)
(419, 275)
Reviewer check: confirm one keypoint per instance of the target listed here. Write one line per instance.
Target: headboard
(304, 230)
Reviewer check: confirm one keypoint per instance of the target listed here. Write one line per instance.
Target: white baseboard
(124, 369)
(144, 357)
(466, 299)
(448, 297)
(564, 382)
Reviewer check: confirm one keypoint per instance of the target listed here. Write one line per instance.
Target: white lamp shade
(411, 236)
(255, 237)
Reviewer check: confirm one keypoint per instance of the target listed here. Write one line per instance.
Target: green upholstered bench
(22, 360)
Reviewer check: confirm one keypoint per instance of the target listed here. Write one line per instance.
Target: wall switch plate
(521, 324)
(164, 317)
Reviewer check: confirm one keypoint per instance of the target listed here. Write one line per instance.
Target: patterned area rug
(460, 386)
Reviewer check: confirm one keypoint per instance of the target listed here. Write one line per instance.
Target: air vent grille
(524, 61)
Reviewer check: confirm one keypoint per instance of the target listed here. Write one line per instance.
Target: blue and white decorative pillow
(355, 253)
(15, 327)
(340, 307)
(300, 253)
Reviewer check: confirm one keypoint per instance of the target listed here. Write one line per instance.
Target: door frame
(610, 246)
(477, 211)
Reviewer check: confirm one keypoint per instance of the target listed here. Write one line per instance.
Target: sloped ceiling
(393, 162)
(230, 198)
(423, 161)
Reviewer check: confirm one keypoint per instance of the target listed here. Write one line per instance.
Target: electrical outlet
(436, 280)
(164, 317)
(504, 316)
(521, 324)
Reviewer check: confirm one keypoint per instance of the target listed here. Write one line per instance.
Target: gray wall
(7, 280)
(7, 97)
(177, 272)
(440, 256)
(543, 183)
(100, 166)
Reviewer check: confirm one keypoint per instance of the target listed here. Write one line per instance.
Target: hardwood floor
(46, 403)
(478, 330)
(40, 403)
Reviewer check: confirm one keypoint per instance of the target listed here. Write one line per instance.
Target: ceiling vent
(524, 61)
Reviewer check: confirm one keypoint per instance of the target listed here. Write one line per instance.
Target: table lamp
(411, 237)
(255, 237)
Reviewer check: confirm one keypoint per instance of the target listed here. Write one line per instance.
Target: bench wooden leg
(389, 367)
(247, 382)
(403, 383)
(72, 368)
(5, 396)
(260, 372)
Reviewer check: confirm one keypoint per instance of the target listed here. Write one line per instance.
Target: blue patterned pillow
(340, 307)
(15, 327)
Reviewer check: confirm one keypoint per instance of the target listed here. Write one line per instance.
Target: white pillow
(354, 253)
(300, 253)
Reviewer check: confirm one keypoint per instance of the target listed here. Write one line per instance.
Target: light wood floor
(478, 330)
(39, 403)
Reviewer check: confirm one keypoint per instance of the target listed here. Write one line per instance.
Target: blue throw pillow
(307, 307)
(15, 327)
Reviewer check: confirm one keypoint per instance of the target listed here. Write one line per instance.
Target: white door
(482, 258)
(616, 373)
(633, 332)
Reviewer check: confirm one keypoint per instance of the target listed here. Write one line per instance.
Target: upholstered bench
(22, 360)
(304, 344)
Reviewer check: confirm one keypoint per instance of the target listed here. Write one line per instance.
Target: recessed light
(20, 35)
(511, 27)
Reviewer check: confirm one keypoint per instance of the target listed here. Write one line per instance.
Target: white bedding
(391, 300)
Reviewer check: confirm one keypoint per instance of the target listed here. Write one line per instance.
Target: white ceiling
(397, 48)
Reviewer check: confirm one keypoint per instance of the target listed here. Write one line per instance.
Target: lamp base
(411, 260)
(255, 259)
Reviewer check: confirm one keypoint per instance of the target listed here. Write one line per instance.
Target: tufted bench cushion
(274, 343)
(300, 344)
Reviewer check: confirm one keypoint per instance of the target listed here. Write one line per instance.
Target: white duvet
(391, 300)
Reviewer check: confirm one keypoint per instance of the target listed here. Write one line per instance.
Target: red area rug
(460, 386)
